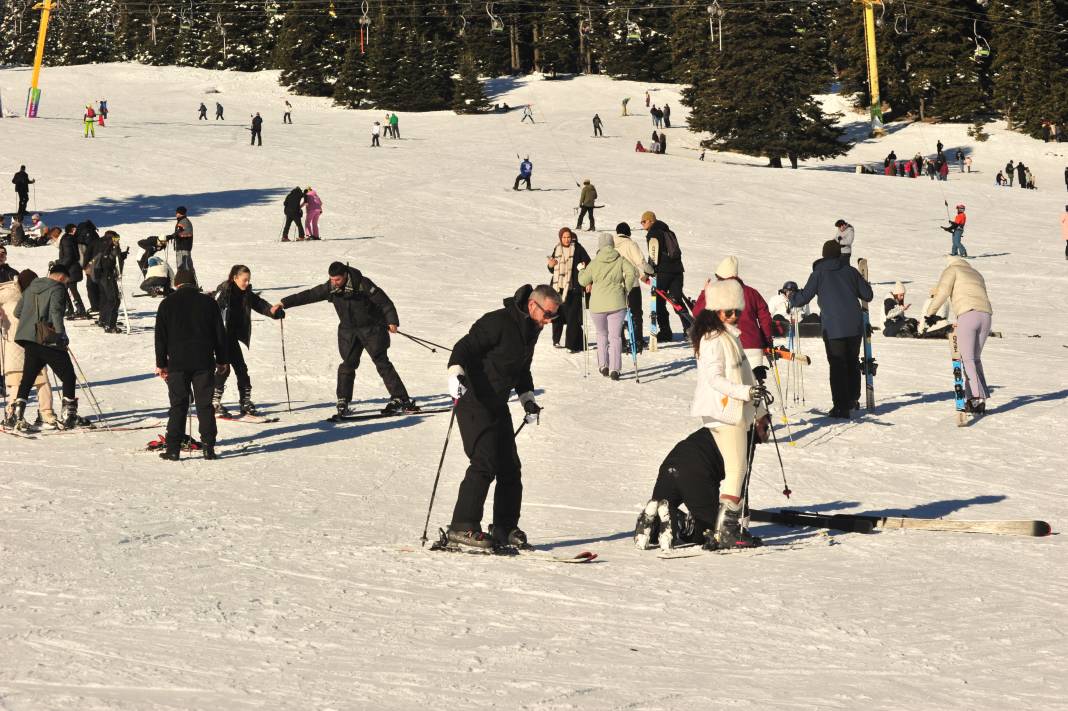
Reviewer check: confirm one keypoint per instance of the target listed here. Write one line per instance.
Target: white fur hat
(727, 268)
(724, 295)
(899, 288)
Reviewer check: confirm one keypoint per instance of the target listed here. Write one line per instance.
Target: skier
(528, 113)
(1021, 175)
(611, 278)
(158, 277)
(626, 100)
(754, 323)
(630, 251)
(730, 402)
(183, 240)
(669, 270)
(956, 229)
(844, 236)
(1010, 171)
(895, 322)
(219, 112)
(567, 260)
(647, 99)
(394, 124)
(22, 183)
(7, 272)
(366, 317)
(598, 125)
(14, 357)
(838, 286)
(107, 268)
(203, 112)
(103, 109)
(43, 338)
(287, 116)
(90, 244)
(486, 364)
(314, 205)
(236, 301)
(257, 130)
(376, 130)
(525, 170)
(965, 288)
(293, 212)
(959, 155)
(69, 257)
(89, 119)
(587, 202)
(190, 352)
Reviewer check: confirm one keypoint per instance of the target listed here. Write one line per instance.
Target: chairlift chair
(982, 47)
(634, 32)
(496, 23)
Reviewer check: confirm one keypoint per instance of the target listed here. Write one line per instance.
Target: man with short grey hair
(486, 365)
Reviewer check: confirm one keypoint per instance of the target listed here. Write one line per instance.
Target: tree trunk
(923, 109)
(775, 160)
(793, 160)
(513, 38)
(537, 49)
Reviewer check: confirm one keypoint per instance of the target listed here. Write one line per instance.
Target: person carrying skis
(669, 270)
(314, 207)
(838, 286)
(566, 262)
(292, 207)
(598, 126)
(630, 251)
(528, 113)
(190, 352)
(486, 365)
(895, 322)
(587, 203)
(107, 269)
(611, 278)
(70, 257)
(203, 112)
(257, 130)
(526, 168)
(219, 112)
(754, 323)
(965, 288)
(366, 317)
(22, 183)
(14, 357)
(237, 301)
(956, 229)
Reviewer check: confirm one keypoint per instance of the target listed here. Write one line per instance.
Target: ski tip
(1042, 528)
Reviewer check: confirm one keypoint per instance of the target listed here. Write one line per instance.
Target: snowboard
(868, 363)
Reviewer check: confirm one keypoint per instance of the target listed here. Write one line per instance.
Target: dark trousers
(257, 137)
(219, 115)
(92, 290)
(178, 384)
(21, 212)
(488, 441)
(670, 284)
(351, 345)
(203, 116)
(843, 357)
(74, 299)
(294, 220)
(237, 365)
(571, 317)
(37, 357)
(634, 303)
(691, 482)
(597, 131)
(374, 140)
(287, 117)
(583, 211)
(109, 303)
(521, 179)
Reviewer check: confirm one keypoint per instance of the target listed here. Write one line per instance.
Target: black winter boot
(470, 539)
(342, 407)
(515, 538)
(247, 408)
(217, 404)
(68, 418)
(18, 414)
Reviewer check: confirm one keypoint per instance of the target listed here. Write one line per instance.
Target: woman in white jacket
(729, 401)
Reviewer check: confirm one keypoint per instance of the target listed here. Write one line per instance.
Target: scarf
(565, 257)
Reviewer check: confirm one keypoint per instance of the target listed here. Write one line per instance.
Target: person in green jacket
(612, 277)
(394, 124)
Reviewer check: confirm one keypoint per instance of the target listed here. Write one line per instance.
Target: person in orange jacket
(956, 229)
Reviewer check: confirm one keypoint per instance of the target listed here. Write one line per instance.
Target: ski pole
(585, 334)
(285, 368)
(441, 462)
(782, 401)
(768, 399)
(429, 345)
(633, 345)
(88, 389)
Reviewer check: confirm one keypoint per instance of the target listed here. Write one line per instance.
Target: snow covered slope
(288, 574)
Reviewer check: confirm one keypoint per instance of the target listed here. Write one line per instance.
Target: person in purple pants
(966, 290)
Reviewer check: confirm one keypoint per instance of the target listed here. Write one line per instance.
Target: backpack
(90, 113)
(669, 245)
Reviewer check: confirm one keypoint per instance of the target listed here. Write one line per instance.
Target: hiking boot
(169, 455)
(285, 239)
(397, 406)
(209, 452)
(217, 405)
(515, 538)
(247, 408)
(69, 415)
(647, 529)
(342, 407)
(19, 415)
(730, 534)
(470, 539)
(666, 513)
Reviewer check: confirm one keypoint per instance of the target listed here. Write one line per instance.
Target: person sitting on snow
(779, 306)
(895, 322)
(940, 324)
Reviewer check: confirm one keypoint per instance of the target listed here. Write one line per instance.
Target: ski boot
(647, 529)
(342, 407)
(69, 415)
(247, 408)
(171, 456)
(668, 527)
(975, 406)
(470, 539)
(209, 452)
(397, 406)
(217, 405)
(729, 533)
(47, 421)
(516, 538)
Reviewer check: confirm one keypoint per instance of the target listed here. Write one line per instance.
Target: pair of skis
(867, 365)
(861, 523)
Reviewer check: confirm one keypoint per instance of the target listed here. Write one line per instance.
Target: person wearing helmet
(956, 229)
(779, 306)
(895, 322)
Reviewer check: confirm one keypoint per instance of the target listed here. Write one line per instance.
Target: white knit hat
(727, 268)
(899, 288)
(724, 295)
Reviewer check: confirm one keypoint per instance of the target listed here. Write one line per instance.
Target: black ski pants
(583, 211)
(24, 199)
(521, 179)
(489, 442)
(294, 220)
(597, 130)
(351, 343)
(74, 299)
(571, 317)
(374, 140)
(37, 357)
(257, 137)
(671, 284)
(689, 480)
(92, 290)
(109, 303)
(843, 357)
(237, 365)
(179, 383)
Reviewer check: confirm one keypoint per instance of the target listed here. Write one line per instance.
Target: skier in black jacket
(257, 130)
(107, 272)
(69, 257)
(237, 301)
(486, 365)
(292, 208)
(366, 317)
(22, 184)
(669, 271)
(89, 245)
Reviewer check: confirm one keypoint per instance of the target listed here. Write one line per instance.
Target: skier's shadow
(939, 509)
(665, 370)
(1022, 400)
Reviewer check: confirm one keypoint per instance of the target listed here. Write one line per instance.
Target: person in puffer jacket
(755, 321)
(612, 277)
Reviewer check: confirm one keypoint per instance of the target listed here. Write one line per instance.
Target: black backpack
(669, 245)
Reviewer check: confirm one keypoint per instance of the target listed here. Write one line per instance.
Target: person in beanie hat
(895, 323)
(630, 251)
(14, 357)
(183, 241)
(568, 258)
(755, 321)
(587, 202)
(611, 278)
(666, 256)
(190, 352)
(838, 287)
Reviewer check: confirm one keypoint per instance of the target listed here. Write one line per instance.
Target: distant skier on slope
(203, 112)
(587, 203)
(526, 168)
(528, 113)
(598, 126)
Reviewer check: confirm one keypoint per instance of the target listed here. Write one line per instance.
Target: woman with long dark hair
(237, 301)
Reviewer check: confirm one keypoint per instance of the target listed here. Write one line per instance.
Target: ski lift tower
(33, 98)
(873, 64)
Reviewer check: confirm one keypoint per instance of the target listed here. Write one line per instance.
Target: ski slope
(288, 574)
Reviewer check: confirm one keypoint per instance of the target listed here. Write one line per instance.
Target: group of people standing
(1023, 176)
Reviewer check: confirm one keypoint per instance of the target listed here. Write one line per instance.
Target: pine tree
(18, 32)
(1007, 63)
(1043, 90)
(351, 88)
(310, 47)
(637, 45)
(557, 39)
(467, 95)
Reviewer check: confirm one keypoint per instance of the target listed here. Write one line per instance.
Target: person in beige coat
(729, 402)
(13, 356)
(612, 278)
(965, 289)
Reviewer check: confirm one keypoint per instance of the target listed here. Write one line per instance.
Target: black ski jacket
(496, 353)
(22, 183)
(239, 326)
(189, 332)
(292, 204)
(360, 304)
(68, 256)
(665, 264)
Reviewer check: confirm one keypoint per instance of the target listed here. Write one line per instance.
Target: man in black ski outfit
(669, 270)
(190, 350)
(89, 245)
(257, 130)
(486, 365)
(366, 317)
(291, 207)
(22, 184)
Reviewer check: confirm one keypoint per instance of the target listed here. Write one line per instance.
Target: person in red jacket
(755, 321)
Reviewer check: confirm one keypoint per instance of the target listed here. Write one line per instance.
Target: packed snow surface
(289, 574)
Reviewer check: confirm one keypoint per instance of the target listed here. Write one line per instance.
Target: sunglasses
(545, 313)
(732, 312)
